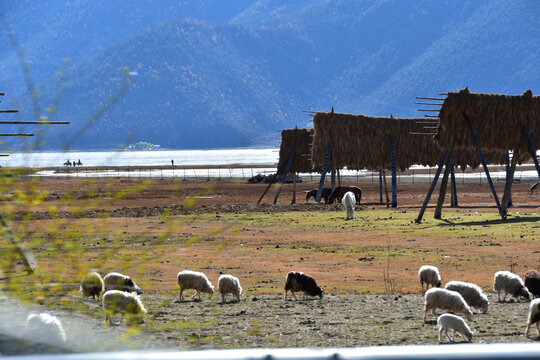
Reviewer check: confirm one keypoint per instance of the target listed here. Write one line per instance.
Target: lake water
(268, 156)
(144, 158)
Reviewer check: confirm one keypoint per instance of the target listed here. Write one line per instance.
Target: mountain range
(217, 73)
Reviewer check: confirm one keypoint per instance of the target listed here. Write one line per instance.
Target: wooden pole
(289, 162)
(338, 178)
(507, 163)
(380, 186)
(444, 185)
(385, 188)
(268, 187)
(394, 176)
(294, 189)
(432, 187)
(323, 173)
(510, 180)
(484, 165)
(35, 122)
(454, 200)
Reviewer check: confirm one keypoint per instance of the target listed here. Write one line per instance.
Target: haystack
(497, 120)
(363, 142)
(300, 141)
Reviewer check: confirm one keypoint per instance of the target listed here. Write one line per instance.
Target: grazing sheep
(511, 284)
(472, 293)
(348, 202)
(534, 316)
(430, 275)
(45, 328)
(123, 303)
(298, 281)
(92, 285)
(532, 282)
(117, 281)
(229, 284)
(456, 324)
(448, 300)
(188, 279)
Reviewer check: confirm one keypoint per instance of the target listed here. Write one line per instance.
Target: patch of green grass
(193, 240)
(523, 227)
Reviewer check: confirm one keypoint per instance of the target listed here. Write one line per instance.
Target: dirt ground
(367, 266)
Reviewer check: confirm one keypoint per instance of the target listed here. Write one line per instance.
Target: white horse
(348, 201)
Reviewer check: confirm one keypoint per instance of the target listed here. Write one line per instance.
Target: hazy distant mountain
(230, 73)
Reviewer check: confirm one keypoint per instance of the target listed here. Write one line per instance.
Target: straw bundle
(300, 141)
(360, 142)
(497, 120)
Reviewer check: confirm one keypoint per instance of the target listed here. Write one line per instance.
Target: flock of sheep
(459, 297)
(120, 295)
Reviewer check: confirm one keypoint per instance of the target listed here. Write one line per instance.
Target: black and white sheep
(472, 293)
(195, 280)
(117, 281)
(92, 285)
(534, 317)
(123, 303)
(229, 284)
(456, 324)
(429, 275)
(348, 202)
(532, 282)
(45, 328)
(509, 283)
(298, 281)
(448, 300)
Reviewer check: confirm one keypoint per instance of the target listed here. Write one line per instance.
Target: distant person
(67, 163)
(79, 162)
(74, 163)
(172, 162)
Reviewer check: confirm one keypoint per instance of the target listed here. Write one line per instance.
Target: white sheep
(123, 303)
(509, 283)
(117, 281)
(45, 328)
(348, 202)
(472, 293)
(188, 279)
(456, 324)
(430, 275)
(92, 285)
(534, 316)
(448, 300)
(229, 284)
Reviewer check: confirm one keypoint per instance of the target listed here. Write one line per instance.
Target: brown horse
(325, 194)
(341, 190)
